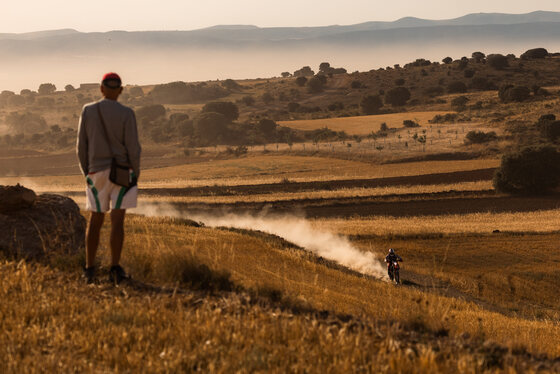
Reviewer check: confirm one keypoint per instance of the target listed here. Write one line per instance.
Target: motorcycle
(394, 271)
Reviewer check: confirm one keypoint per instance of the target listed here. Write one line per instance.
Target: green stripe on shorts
(120, 198)
(94, 191)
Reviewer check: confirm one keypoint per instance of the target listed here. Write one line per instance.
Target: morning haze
(146, 57)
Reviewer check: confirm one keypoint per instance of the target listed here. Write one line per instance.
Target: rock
(14, 198)
(50, 223)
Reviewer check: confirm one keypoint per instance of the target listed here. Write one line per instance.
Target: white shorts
(102, 193)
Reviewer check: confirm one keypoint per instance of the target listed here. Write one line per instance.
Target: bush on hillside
(315, 84)
(228, 109)
(510, 93)
(447, 60)
(459, 103)
(532, 170)
(410, 123)
(210, 127)
(549, 127)
(397, 96)
(149, 113)
(370, 104)
(498, 61)
(456, 87)
(301, 81)
(479, 137)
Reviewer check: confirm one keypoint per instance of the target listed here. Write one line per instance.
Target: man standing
(107, 130)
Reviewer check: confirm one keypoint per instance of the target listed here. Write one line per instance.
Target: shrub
(447, 60)
(468, 73)
(150, 112)
(227, 108)
(459, 103)
(356, 84)
(480, 83)
(293, 107)
(248, 100)
(335, 106)
(549, 127)
(399, 82)
(434, 91)
(370, 104)
(398, 96)
(301, 81)
(533, 170)
(510, 93)
(456, 87)
(267, 98)
(230, 84)
(410, 123)
(535, 53)
(446, 118)
(498, 61)
(478, 137)
(210, 127)
(315, 84)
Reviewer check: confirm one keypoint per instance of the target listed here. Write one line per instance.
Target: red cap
(111, 80)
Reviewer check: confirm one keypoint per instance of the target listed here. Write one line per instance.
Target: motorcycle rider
(389, 259)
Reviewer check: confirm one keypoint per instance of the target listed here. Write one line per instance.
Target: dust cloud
(294, 229)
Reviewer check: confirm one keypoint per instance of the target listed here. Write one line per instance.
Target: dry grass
(362, 125)
(323, 194)
(73, 328)
(254, 262)
(262, 169)
(476, 223)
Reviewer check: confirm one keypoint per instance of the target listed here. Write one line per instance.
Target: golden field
(363, 125)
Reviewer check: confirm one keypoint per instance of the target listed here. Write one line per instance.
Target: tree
(478, 56)
(69, 88)
(535, 53)
(304, 72)
(266, 127)
(46, 88)
(324, 67)
(398, 96)
(230, 84)
(532, 170)
(210, 127)
(286, 74)
(228, 109)
(498, 61)
(371, 104)
(447, 60)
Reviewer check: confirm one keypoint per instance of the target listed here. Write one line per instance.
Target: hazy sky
(104, 15)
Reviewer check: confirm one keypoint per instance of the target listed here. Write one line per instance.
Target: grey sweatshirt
(93, 151)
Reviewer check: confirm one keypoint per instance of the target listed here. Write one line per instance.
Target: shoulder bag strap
(104, 129)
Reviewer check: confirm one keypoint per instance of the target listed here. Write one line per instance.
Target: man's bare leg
(92, 238)
(117, 235)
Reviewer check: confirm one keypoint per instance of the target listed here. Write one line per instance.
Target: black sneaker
(117, 274)
(89, 275)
